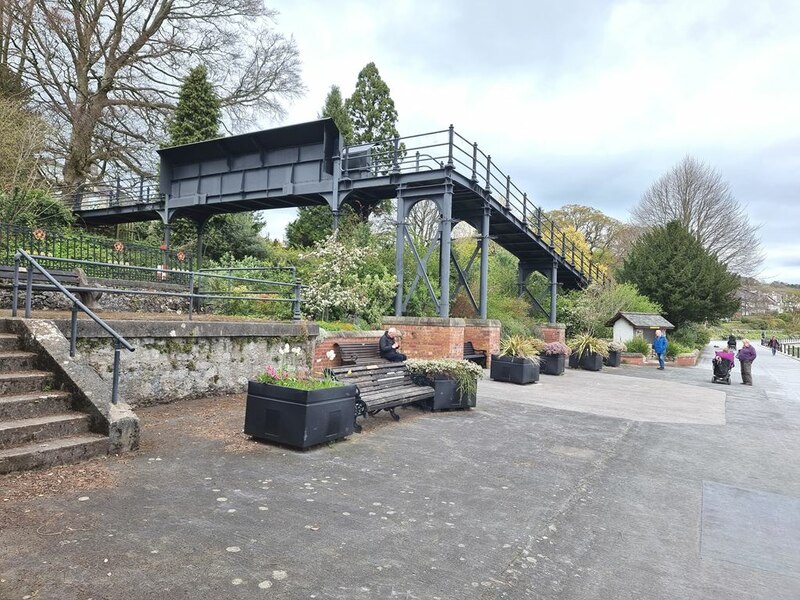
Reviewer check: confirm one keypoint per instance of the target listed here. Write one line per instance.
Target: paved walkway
(630, 483)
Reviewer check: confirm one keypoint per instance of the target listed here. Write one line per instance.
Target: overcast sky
(586, 101)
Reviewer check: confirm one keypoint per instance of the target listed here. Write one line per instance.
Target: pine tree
(669, 266)
(197, 115)
(371, 108)
(335, 109)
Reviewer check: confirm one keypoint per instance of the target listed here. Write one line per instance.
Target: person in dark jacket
(746, 356)
(732, 341)
(389, 344)
(660, 348)
(774, 344)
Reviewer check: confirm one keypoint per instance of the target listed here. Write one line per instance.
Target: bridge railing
(118, 193)
(447, 148)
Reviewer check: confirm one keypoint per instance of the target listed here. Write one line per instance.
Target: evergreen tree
(197, 115)
(335, 109)
(669, 266)
(374, 118)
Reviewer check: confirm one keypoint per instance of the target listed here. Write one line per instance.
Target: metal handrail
(193, 276)
(495, 182)
(120, 342)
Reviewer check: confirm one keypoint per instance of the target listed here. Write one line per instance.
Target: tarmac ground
(630, 483)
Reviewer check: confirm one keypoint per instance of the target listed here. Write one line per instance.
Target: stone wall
(175, 361)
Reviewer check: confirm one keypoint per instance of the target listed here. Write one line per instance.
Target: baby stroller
(722, 365)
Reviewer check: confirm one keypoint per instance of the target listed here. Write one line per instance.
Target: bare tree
(107, 73)
(695, 195)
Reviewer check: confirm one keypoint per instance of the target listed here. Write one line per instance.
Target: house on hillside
(628, 325)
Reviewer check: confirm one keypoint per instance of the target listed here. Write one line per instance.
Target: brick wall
(429, 337)
(553, 333)
(632, 358)
(326, 341)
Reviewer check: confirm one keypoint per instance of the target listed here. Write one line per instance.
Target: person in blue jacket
(660, 347)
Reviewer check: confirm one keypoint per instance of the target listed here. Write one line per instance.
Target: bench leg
(395, 416)
(361, 411)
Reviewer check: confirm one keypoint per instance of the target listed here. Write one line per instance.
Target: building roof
(646, 320)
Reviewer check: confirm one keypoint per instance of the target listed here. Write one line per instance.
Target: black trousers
(394, 356)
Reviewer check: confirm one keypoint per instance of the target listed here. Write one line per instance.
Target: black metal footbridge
(308, 165)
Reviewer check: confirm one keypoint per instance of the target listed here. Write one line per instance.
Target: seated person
(724, 355)
(388, 346)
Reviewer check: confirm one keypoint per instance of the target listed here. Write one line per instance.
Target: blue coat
(660, 344)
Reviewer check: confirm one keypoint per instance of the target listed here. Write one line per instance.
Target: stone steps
(53, 452)
(26, 406)
(38, 427)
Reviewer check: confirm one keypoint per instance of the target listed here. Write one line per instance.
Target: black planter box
(513, 369)
(299, 418)
(614, 359)
(574, 361)
(552, 364)
(446, 395)
(591, 361)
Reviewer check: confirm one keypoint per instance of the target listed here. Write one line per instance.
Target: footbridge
(308, 165)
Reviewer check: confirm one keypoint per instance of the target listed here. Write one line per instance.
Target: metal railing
(266, 291)
(121, 192)
(119, 341)
(111, 253)
(448, 149)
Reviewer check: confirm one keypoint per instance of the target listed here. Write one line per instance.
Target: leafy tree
(670, 266)
(34, 208)
(597, 229)
(695, 195)
(335, 109)
(197, 115)
(22, 142)
(106, 74)
(588, 311)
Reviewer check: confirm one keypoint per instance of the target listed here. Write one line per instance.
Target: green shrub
(675, 348)
(585, 343)
(638, 345)
(694, 335)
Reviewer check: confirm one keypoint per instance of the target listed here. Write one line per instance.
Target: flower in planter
(552, 348)
(465, 372)
(290, 374)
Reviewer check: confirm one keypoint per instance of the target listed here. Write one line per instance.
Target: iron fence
(105, 257)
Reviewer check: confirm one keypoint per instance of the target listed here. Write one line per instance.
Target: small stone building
(628, 325)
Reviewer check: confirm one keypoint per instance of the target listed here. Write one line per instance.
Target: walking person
(774, 344)
(732, 342)
(660, 348)
(746, 356)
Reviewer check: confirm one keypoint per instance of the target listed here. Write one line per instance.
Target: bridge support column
(553, 290)
(445, 231)
(201, 225)
(484, 284)
(398, 252)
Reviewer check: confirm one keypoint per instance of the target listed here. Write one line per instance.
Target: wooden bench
(476, 356)
(381, 387)
(359, 353)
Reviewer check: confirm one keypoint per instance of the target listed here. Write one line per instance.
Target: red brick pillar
(429, 337)
(553, 333)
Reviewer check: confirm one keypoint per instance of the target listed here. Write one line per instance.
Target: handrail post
(417, 162)
(475, 162)
(28, 292)
(191, 293)
(450, 146)
(15, 287)
(115, 378)
(508, 191)
(564, 244)
(73, 330)
(395, 157)
(489, 173)
(539, 221)
(296, 315)
(525, 209)
(346, 161)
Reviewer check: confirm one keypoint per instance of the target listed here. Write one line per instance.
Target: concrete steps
(38, 427)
